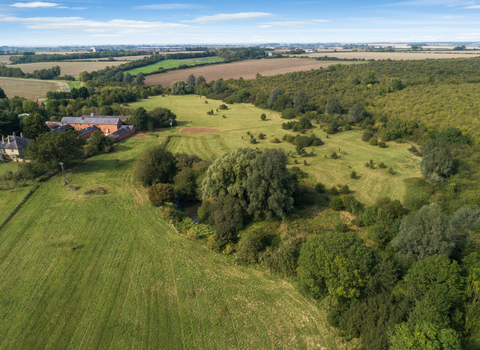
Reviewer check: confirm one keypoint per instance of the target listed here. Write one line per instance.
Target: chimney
(3, 138)
(81, 117)
(14, 133)
(8, 139)
(92, 115)
(21, 134)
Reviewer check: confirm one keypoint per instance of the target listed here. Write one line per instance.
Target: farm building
(14, 147)
(88, 124)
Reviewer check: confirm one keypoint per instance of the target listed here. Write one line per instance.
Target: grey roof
(63, 128)
(123, 130)
(92, 120)
(88, 130)
(16, 142)
(122, 118)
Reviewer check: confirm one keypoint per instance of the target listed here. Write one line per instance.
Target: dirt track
(245, 69)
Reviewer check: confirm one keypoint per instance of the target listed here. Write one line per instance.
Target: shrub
(382, 144)
(382, 165)
(305, 162)
(344, 190)
(353, 175)
(275, 140)
(160, 193)
(336, 203)
(223, 107)
(289, 113)
(334, 155)
(155, 165)
(391, 172)
(373, 141)
(367, 135)
(249, 247)
(334, 191)
(263, 116)
(320, 188)
(253, 140)
(348, 127)
(261, 136)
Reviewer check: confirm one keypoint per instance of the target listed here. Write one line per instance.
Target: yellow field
(31, 89)
(420, 55)
(192, 111)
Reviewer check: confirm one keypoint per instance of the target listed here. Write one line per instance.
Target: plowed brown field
(245, 69)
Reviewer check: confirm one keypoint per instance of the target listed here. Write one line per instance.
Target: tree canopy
(437, 160)
(155, 165)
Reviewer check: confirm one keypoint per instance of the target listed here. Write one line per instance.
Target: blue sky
(92, 22)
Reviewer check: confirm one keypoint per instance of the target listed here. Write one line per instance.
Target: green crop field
(173, 64)
(74, 84)
(192, 111)
(105, 271)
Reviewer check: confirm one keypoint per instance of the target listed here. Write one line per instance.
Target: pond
(189, 208)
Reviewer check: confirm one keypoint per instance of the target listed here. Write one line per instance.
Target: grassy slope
(74, 84)
(240, 118)
(132, 282)
(28, 88)
(10, 199)
(173, 64)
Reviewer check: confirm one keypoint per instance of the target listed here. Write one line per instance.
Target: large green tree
(2, 93)
(51, 148)
(140, 79)
(356, 113)
(437, 161)
(161, 117)
(300, 101)
(423, 234)
(139, 119)
(274, 96)
(191, 80)
(335, 263)
(33, 125)
(270, 186)
(333, 106)
(155, 165)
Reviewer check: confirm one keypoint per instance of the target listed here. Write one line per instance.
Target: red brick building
(108, 125)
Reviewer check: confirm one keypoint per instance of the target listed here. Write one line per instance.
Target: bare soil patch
(198, 131)
(245, 69)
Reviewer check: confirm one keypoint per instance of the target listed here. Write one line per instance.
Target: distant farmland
(173, 64)
(69, 68)
(31, 89)
(245, 69)
(420, 55)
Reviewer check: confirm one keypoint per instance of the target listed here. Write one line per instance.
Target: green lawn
(173, 64)
(10, 199)
(192, 111)
(74, 84)
(10, 166)
(91, 271)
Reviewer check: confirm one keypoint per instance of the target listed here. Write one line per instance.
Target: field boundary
(19, 205)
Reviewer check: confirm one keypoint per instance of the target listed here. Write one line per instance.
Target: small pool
(189, 208)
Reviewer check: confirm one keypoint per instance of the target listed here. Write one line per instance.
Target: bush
(155, 165)
(289, 113)
(223, 107)
(344, 189)
(373, 141)
(367, 135)
(353, 175)
(382, 165)
(391, 172)
(334, 191)
(261, 136)
(382, 144)
(334, 155)
(263, 116)
(249, 247)
(275, 140)
(336, 203)
(348, 127)
(320, 188)
(160, 193)
(253, 140)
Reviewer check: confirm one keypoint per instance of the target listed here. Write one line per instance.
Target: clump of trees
(246, 182)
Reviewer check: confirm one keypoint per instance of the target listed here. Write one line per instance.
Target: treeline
(46, 74)
(33, 58)
(238, 54)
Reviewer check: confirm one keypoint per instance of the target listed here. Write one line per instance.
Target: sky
(98, 22)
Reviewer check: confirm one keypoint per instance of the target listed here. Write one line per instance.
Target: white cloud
(296, 23)
(264, 26)
(121, 26)
(226, 17)
(472, 7)
(78, 8)
(169, 7)
(34, 4)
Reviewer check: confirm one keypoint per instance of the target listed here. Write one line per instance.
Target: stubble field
(68, 68)
(245, 69)
(420, 55)
(31, 89)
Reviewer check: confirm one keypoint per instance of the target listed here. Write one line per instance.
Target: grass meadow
(166, 64)
(192, 111)
(106, 272)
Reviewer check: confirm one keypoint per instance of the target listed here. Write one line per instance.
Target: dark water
(188, 208)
